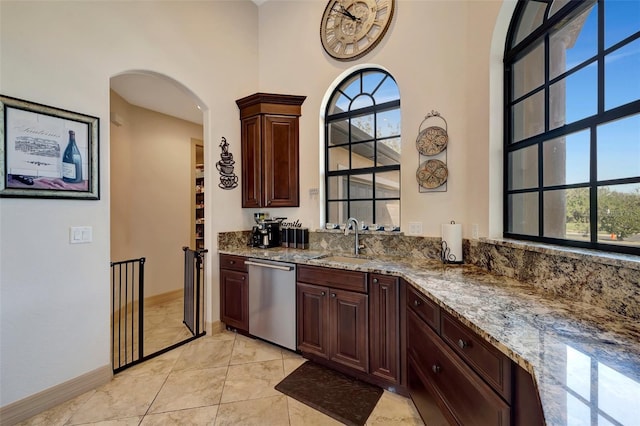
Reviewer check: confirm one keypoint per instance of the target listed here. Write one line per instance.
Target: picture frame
(47, 152)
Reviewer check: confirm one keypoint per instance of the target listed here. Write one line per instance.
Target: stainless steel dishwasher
(272, 301)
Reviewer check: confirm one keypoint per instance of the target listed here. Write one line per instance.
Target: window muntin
(363, 146)
(572, 111)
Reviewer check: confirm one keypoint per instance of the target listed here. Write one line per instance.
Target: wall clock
(351, 28)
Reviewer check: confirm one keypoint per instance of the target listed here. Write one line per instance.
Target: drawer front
(430, 407)
(469, 399)
(335, 278)
(235, 263)
(424, 307)
(489, 362)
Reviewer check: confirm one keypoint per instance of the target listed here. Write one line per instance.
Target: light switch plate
(80, 234)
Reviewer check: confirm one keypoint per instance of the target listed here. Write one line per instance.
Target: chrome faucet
(356, 227)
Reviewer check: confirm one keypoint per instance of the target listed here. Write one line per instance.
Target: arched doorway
(155, 131)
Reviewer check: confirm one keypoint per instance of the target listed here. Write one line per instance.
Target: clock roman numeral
(382, 4)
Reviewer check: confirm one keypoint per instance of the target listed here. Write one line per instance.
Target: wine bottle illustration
(72, 161)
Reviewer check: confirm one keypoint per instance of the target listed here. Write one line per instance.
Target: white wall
(438, 52)
(151, 192)
(55, 307)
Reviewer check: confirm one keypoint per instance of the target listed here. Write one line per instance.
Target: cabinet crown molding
(270, 103)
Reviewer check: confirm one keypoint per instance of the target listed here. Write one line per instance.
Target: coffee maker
(266, 232)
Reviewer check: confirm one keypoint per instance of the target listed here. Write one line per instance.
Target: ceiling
(159, 93)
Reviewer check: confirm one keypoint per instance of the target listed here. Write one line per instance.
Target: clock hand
(348, 14)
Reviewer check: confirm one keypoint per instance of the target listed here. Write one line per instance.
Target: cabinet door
(466, 396)
(348, 329)
(384, 328)
(280, 161)
(251, 162)
(313, 311)
(234, 299)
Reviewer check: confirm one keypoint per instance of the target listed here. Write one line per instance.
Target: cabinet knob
(322, 293)
(243, 278)
(333, 295)
(231, 262)
(462, 344)
(436, 368)
(416, 302)
(375, 280)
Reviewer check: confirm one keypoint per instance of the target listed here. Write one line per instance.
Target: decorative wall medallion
(431, 174)
(432, 140)
(228, 179)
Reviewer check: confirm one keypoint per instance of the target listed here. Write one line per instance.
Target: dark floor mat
(347, 400)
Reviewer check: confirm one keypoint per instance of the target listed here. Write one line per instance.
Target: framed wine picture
(47, 152)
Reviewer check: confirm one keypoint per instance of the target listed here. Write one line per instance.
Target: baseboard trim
(158, 299)
(30, 406)
(215, 327)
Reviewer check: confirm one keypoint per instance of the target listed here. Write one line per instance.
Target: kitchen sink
(346, 259)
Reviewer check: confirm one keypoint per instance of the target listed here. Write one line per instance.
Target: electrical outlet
(475, 231)
(415, 228)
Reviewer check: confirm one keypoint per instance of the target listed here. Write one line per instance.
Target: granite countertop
(585, 360)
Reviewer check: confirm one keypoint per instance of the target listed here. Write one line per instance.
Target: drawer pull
(333, 295)
(462, 344)
(436, 368)
(375, 280)
(231, 262)
(322, 293)
(416, 302)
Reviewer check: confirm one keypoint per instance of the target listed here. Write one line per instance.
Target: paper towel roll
(452, 243)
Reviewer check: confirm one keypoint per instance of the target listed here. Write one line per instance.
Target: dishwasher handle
(268, 265)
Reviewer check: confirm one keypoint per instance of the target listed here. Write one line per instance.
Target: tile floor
(222, 379)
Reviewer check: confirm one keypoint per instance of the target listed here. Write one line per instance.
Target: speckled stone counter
(585, 359)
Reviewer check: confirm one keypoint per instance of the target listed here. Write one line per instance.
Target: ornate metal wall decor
(228, 179)
(432, 173)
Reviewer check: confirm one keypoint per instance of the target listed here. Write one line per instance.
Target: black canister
(302, 238)
(292, 237)
(284, 237)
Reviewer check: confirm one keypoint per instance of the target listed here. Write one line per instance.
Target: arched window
(362, 150)
(572, 124)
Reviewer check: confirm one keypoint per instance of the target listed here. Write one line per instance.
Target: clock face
(351, 28)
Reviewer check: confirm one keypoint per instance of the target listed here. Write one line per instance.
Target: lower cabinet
(234, 293)
(380, 329)
(454, 376)
(384, 329)
(333, 322)
(459, 392)
(313, 322)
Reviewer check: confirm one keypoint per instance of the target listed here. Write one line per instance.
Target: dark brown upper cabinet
(270, 150)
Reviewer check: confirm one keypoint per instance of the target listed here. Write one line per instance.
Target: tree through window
(572, 114)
